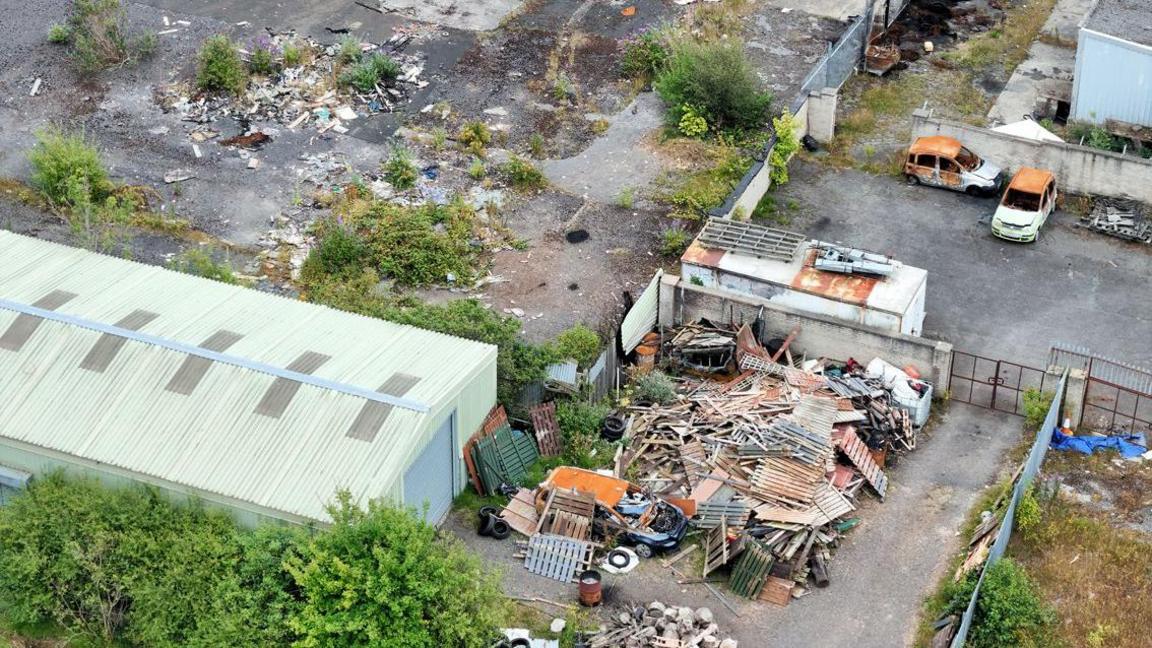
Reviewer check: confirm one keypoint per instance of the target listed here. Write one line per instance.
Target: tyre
(974, 191)
(487, 524)
(618, 559)
(485, 511)
(644, 551)
(912, 179)
(500, 528)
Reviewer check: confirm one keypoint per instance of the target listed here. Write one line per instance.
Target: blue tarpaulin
(1128, 445)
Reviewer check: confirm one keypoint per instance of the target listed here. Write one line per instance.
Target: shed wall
(1113, 80)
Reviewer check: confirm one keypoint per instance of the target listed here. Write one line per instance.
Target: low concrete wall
(681, 302)
(1078, 169)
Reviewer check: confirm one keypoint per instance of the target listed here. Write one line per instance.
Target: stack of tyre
(491, 524)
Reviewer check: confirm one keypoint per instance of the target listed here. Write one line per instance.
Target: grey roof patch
(280, 394)
(373, 415)
(193, 369)
(1129, 20)
(21, 330)
(106, 348)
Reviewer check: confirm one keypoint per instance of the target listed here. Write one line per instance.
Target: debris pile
(771, 459)
(661, 626)
(1121, 218)
(309, 94)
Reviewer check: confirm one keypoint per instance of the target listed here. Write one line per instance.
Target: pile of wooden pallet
(771, 457)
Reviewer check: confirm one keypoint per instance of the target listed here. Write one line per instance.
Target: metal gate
(1117, 395)
(995, 384)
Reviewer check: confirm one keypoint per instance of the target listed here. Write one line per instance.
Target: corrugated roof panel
(108, 345)
(192, 370)
(18, 332)
(211, 439)
(373, 415)
(280, 394)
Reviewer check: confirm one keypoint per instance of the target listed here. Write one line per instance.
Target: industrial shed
(1113, 78)
(256, 403)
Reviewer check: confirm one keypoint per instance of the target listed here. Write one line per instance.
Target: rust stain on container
(697, 254)
(851, 288)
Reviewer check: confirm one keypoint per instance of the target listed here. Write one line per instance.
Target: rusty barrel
(590, 593)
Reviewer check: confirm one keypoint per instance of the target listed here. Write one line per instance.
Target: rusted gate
(995, 384)
(1117, 395)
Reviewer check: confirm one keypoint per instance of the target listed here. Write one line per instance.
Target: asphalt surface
(987, 296)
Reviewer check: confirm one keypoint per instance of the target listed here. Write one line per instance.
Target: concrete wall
(682, 302)
(1078, 169)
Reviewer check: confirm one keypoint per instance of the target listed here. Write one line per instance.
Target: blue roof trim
(200, 352)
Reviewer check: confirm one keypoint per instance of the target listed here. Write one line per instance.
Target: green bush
(220, 68)
(654, 387)
(580, 425)
(100, 39)
(643, 56)
(340, 251)
(1036, 404)
(475, 137)
(692, 124)
(786, 144)
(293, 56)
(380, 577)
(59, 34)
(476, 170)
(536, 145)
(674, 241)
(350, 50)
(716, 79)
(1028, 512)
(63, 162)
(261, 61)
(1009, 611)
(418, 246)
(578, 343)
(399, 169)
(699, 192)
(199, 262)
(367, 73)
(522, 174)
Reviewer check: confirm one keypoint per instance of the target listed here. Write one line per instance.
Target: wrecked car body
(940, 161)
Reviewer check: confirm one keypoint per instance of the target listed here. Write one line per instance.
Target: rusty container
(646, 357)
(590, 592)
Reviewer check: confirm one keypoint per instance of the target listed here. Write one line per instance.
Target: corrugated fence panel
(1113, 81)
(641, 319)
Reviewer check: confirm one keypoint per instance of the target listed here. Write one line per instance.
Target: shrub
(578, 343)
(475, 137)
(562, 88)
(717, 79)
(262, 59)
(338, 252)
(439, 139)
(199, 262)
(293, 56)
(580, 425)
(521, 174)
(365, 75)
(399, 170)
(418, 246)
(350, 50)
(382, 577)
(1028, 512)
(99, 36)
(1009, 612)
(1036, 404)
(626, 198)
(654, 387)
(536, 145)
(643, 56)
(786, 144)
(59, 34)
(220, 68)
(62, 162)
(691, 123)
(699, 192)
(476, 170)
(673, 241)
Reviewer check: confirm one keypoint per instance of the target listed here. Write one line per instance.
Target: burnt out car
(623, 510)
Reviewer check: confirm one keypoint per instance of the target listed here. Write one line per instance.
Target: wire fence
(1031, 466)
(839, 62)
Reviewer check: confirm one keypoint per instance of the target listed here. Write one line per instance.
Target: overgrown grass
(100, 38)
(1008, 45)
(522, 174)
(203, 263)
(693, 193)
(365, 75)
(1095, 575)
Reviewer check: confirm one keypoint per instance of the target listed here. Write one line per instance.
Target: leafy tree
(717, 81)
(381, 577)
(786, 144)
(578, 343)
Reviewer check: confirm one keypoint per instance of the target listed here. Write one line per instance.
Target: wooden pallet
(558, 557)
(711, 514)
(568, 513)
(777, 591)
(751, 570)
(715, 548)
(856, 452)
(520, 513)
(546, 428)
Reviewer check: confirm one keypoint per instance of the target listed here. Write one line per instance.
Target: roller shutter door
(431, 478)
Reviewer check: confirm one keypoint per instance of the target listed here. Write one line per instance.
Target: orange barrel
(646, 357)
(590, 594)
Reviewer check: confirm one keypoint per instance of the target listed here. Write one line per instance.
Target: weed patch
(220, 68)
(200, 262)
(365, 75)
(100, 38)
(522, 174)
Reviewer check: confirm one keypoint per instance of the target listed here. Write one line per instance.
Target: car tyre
(912, 179)
(644, 551)
(500, 529)
(486, 525)
(974, 191)
(485, 511)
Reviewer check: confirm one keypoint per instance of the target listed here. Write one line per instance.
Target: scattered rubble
(661, 626)
(1125, 219)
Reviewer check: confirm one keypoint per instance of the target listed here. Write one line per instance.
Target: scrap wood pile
(309, 94)
(1121, 218)
(661, 626)
(772, 458)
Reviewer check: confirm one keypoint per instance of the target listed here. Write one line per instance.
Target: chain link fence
(840, 61)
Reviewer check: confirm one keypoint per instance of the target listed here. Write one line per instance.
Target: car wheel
(644, 551)
(500, 529)
(912, 179)
(974, 191)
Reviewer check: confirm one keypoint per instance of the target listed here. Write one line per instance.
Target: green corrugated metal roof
(215, 438)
